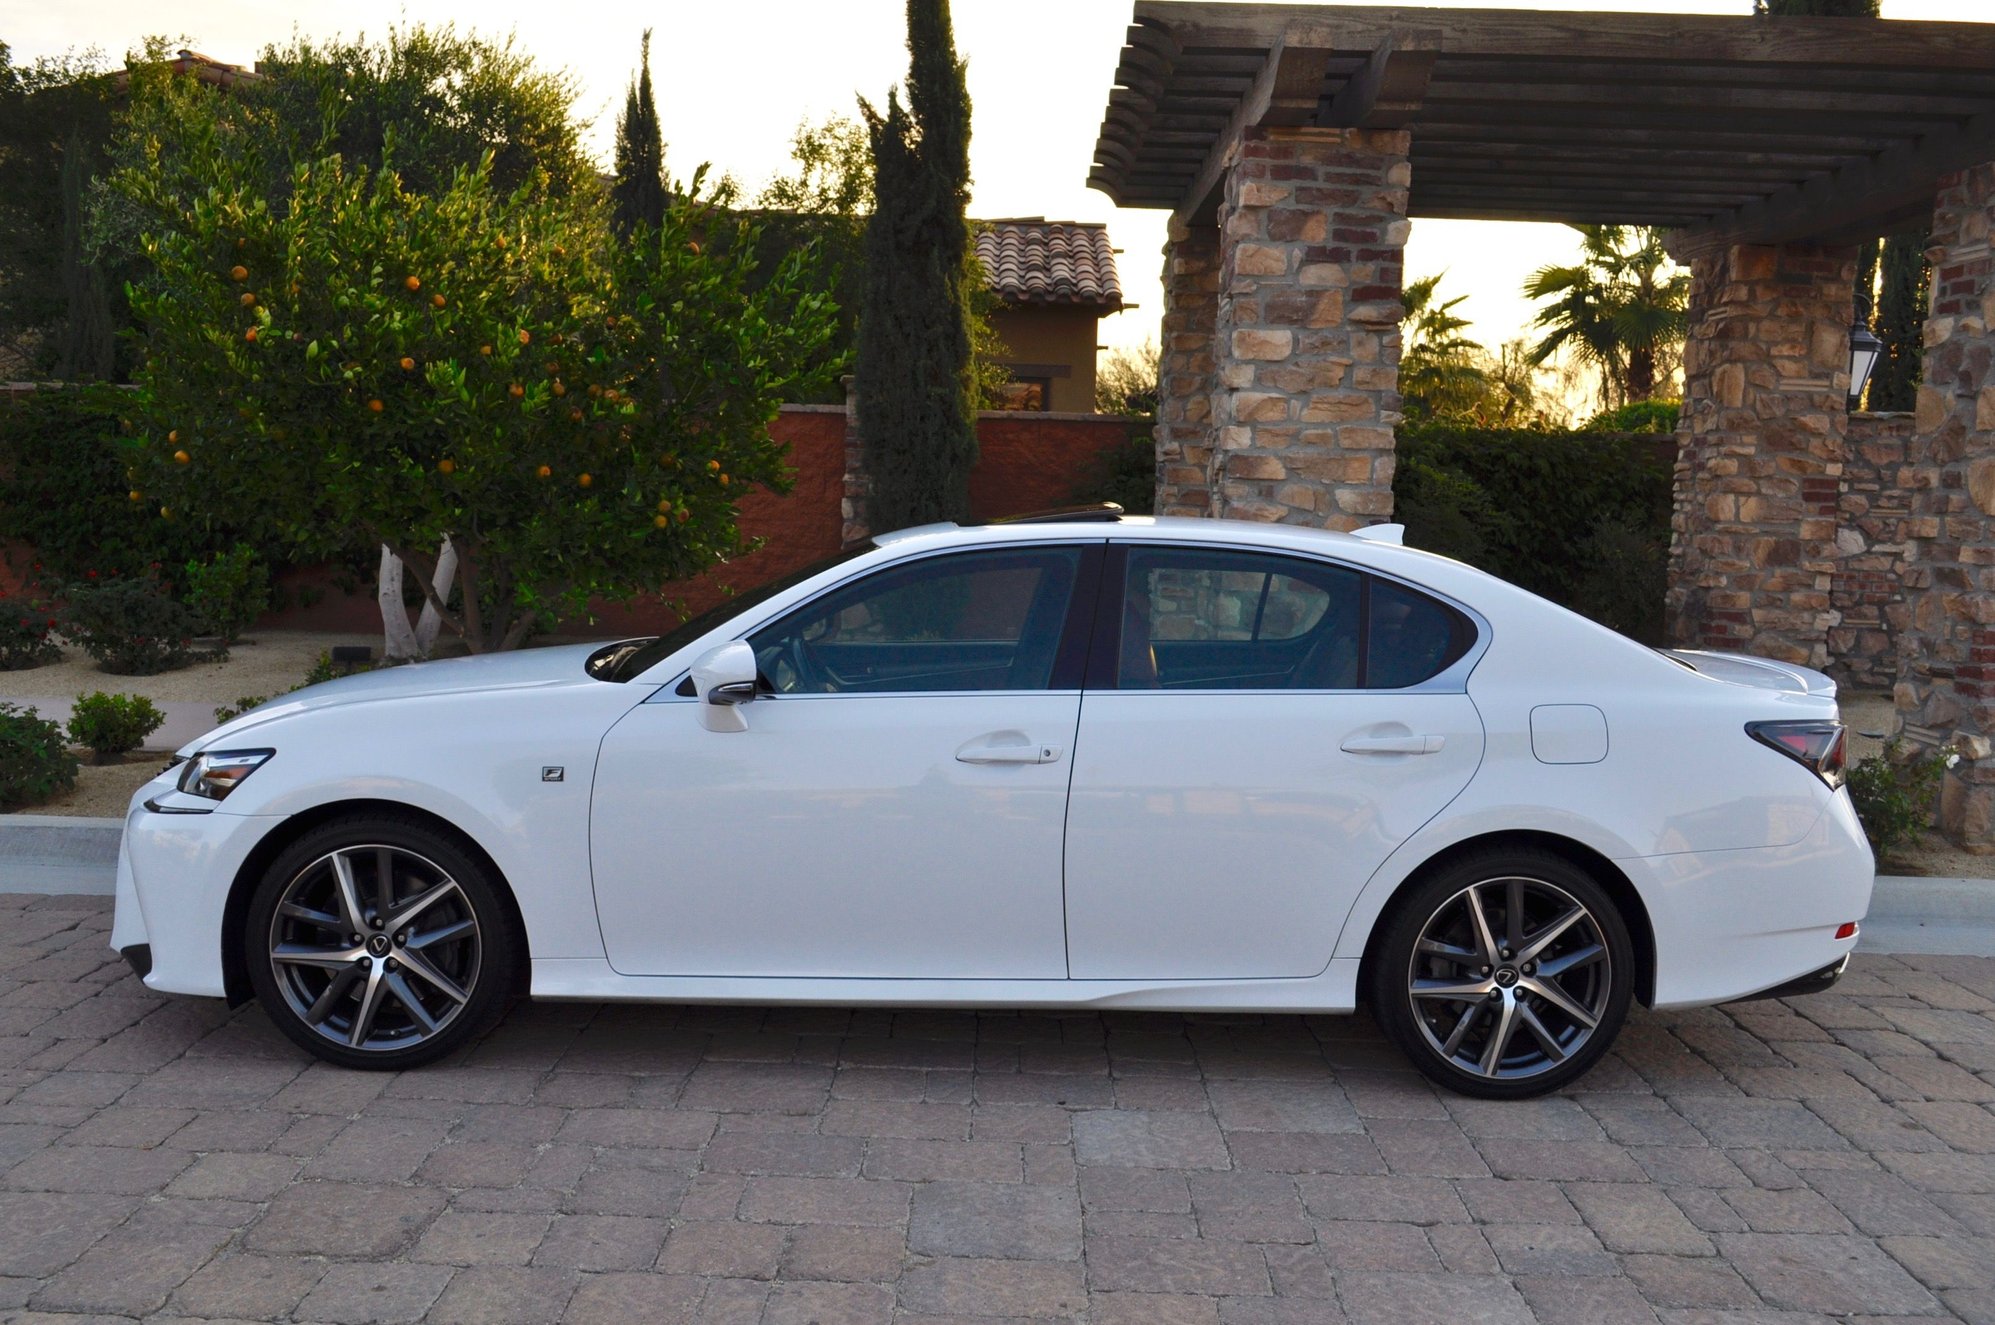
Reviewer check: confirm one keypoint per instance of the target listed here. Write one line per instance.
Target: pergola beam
(1388, 90)
(1286, 91)
(1868, 196)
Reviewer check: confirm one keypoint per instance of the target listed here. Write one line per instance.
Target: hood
(518, 669)
(1751, 670)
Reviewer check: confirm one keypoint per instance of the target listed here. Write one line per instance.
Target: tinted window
(1199, 620)
(970, 621)
(1413, 637)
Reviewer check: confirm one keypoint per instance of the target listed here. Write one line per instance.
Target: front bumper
(174, 876)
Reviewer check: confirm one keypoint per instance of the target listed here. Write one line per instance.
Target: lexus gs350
(1061, 762)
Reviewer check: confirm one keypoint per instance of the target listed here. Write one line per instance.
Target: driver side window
(962, 622)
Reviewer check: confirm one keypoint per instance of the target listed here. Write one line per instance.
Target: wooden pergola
(1294, 145)
(1738, 129)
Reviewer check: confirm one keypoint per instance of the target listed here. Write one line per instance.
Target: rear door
(1259, 731)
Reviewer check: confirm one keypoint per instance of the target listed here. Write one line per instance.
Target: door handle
(1394, 745)
(1015, 752)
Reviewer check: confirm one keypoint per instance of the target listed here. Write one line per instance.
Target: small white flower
(1952, 760)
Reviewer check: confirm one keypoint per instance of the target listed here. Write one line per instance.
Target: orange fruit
(436, 300)
(668, 460)
(173, 436)
(595, 390)
(239, 273)
(660, 521)
(685, 514)
(250, 335)
(412, 283)
(485, 350)
(724, 480)
(574, 416)
(516, 391)
(560, 389)
(136, 495)
(665, 507)
(560, 252)
(585, 480)
(713, 466)
(526, 337)
(408, 364)
(375, 405)
(248, 299)
(446, 466)
(181, 457)
(693, 246)
(545, 472)
(165, 514)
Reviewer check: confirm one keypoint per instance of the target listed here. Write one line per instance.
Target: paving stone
(1426, 1147)
(1176, 1265)
(926, 1161)
(825, 1200)
(729, 1250)
(630, 1190)
(504, 1295)
(109, 1170)
(1793, 1211)
(1943, 1262)
(1356, 1245)
(1570, 1300)
(313, 1218)
(388, 1293)
(135, 1126)
(133, 1270)
(247, 1287)
(619, 1299)
(1516, 1201)
(1688, 1281)
(1882, 1203)
(1282, 1106)
(986, 1219)
(1401, 1200)
(844, 1253)
(235, 1177)
(764, 1087)
(479, 1238)
(828, 1304)
(601, 1242)
(1393, 1299)
(650, 1129)
(480, 1164)
(1750, 1122)
(1027, 1290)
(1628, 1217)
(1149, 1140)
(1548, 1249)
(1810, 1272)
(47, 1230)
(1559, 1161)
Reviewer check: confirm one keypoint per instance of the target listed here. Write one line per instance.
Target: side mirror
(724, 679)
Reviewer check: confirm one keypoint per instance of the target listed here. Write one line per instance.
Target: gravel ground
(103, 792)
(278, 660)
(1829, 1158)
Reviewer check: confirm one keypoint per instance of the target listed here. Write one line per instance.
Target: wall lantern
(1864, 349)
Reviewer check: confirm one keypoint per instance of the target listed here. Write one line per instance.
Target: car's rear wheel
(1504, 975)
(379, 942)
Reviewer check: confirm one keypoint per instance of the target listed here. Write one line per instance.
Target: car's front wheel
(378, 942)
(1504, 975)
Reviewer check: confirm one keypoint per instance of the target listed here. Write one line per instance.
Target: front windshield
(620, 662)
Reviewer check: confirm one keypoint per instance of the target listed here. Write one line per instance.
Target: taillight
(1818, 743)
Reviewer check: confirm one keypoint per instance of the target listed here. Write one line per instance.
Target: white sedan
(1077, 761)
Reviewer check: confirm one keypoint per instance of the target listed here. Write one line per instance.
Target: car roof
(1173, 528)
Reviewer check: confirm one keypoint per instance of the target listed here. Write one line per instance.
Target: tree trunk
(399, 641)
(1641, 374)
(431, 620)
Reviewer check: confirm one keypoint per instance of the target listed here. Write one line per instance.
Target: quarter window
(970, 621)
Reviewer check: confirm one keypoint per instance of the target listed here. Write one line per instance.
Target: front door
(1259, 733)
(895, 808)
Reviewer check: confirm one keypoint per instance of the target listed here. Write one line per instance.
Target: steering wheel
(791, 670)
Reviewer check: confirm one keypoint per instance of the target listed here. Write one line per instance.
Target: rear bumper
(1812, 983)
(1732, 925)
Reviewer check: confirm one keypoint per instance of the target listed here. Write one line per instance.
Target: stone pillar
(1946, 678)
(1312, 232)
(1184, 377)
(1753, 552)
(855, 504)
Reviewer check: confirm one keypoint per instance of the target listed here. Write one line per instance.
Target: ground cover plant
(35, 762)
(112, 725)
(26, 634)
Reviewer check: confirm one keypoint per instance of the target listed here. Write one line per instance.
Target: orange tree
(577, 415)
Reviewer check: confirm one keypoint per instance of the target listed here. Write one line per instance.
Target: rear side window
(1412, 637)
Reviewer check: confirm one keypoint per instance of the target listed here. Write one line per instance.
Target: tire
(426, 976)
(1481, 1012)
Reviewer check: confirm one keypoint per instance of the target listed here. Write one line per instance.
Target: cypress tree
(88, 343)
(638, 195)
(916, 425)
(1901, 322)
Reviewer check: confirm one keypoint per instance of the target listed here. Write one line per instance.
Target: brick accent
(1312, 236)
(1876, 524)
(1184, 402)
(1766, 383)
(1946, 679)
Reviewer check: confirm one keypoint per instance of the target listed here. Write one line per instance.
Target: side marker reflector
(1846, 930)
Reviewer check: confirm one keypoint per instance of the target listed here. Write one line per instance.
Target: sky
(733, 80)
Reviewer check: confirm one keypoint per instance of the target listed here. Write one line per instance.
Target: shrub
(1637, 416)
(229, 590)
(131, 625)
(1623, 579)
(1127, 475)
(1895, 793)
(110, 725)
(35, 762)
(1445, 511)
(24, 635)
(242, 705)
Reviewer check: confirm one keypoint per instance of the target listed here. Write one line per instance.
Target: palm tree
(1617, 309)
(1440, 374)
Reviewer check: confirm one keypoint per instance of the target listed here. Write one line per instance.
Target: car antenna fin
(1395, 534)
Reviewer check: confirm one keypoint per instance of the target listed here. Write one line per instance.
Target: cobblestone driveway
(1764, 1162)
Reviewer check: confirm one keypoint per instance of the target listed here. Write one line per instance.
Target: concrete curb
(52, 853)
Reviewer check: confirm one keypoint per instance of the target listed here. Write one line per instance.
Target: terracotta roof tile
(1030, 260)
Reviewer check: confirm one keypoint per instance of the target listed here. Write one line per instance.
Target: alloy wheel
(375, 948)
(1509, 978)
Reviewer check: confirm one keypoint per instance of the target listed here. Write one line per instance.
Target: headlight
(215, 773)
